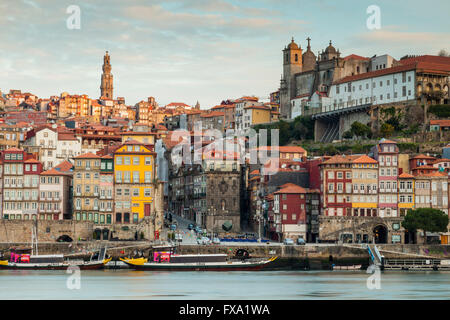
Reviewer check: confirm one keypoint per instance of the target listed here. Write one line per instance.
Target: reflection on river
(286, 285)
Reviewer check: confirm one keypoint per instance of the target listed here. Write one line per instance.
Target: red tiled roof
(67, 136)
(442, 123)
(356, 57)
(88, 155)
(406, 175)
(365, 159)
(64, 166)
(258, 107)
(213, 114)
(54, 172)
(422, 156)
(340, 159)
(424, 63)
(291, 189)
(178, 104)
(31, 161)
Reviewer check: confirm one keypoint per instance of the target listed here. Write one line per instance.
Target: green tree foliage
(440, 110)
(301, 128)
(360, 130)
(426, 219)
(386, 130)
(393, 117)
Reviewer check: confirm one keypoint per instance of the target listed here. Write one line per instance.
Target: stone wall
(333, 228)
(48, 231)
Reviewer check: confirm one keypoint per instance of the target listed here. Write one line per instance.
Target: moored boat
(169, 261)
(51, 262)
(352, 267)
(24, 261)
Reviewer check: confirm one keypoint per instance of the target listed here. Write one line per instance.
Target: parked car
(288, 241)
(301, 241)
(216, 240)
(203, 240)
(190, 226)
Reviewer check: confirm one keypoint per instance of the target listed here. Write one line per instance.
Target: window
(135, 192)
(148, 161)
(147, 192)
(127, 161)
(136, 176)
(119, 160)
(136, 161)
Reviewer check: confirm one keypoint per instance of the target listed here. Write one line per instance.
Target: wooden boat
(51, 262)
(25, 261)
(21, 259)
(168, 261)
(353, 267)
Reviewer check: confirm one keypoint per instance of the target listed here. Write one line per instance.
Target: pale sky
(205, 50)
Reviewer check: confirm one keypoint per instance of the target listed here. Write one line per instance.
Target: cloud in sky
(206, 50)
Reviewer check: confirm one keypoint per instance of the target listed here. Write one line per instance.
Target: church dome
(292, 45)
(330, 49)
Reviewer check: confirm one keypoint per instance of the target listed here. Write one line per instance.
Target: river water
(263, 285)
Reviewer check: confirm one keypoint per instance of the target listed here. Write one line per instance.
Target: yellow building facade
(134, 177)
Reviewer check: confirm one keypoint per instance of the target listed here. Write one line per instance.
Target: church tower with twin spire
(106, 87)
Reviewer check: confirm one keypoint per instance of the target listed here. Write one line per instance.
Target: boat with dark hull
(169, 261)
(24, 261)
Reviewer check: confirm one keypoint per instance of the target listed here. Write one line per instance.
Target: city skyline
(197, 50)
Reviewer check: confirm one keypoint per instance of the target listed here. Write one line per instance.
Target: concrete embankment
(314, 257)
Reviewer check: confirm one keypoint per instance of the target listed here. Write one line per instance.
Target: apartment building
(386, 153)
(86, 187)
(55, 198)
(134, 177)
(406, 190)
(336, 185)
(20, 185)
(365, 184)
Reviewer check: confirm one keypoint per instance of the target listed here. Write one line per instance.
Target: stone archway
(380, 234)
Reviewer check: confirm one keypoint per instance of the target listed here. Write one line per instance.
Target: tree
(426, 219)
(443, 53)
(386, 130)
(360, 130)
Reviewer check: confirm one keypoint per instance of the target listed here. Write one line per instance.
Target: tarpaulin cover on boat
(227, 225)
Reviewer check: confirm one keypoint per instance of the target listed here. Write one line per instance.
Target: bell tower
(106, 87)
(292, 64)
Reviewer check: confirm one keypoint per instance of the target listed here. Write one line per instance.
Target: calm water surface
(287, 285)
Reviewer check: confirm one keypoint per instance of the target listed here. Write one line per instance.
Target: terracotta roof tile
(365, 159)
(291, 189)
(88, 155)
